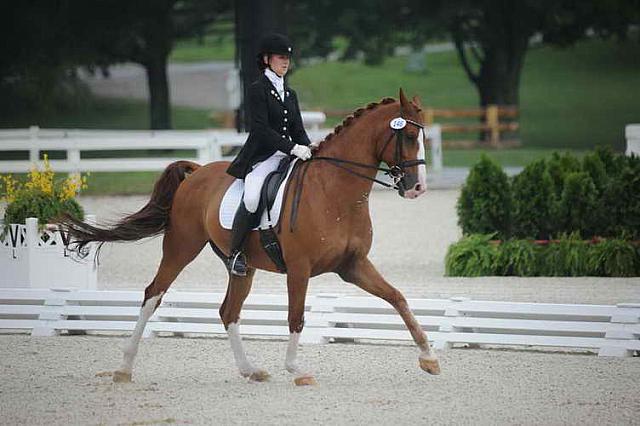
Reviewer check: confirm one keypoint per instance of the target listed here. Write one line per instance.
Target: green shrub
(570, 256)
(517, 257)
(472, 256)
(559, 166)
(42, 206)
(42, 196)
(621, 200)
(578, 205)
(533, 201)
(615, 258)
(485, 200)
(566, 258)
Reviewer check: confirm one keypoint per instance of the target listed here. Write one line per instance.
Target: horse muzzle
(410, 187)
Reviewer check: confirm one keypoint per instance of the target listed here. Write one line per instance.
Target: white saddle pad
(233, 196)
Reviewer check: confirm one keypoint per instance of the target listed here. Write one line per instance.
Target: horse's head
(404, 150)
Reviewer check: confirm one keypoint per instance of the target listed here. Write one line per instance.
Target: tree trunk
(254, 19)
(159, 103)
(498, 81)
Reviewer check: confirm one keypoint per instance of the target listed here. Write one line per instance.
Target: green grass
(120, 183)
(507, 157)
(101, 113)
(574, 98)
(211, 48)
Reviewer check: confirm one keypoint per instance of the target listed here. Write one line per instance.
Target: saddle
(271, 200)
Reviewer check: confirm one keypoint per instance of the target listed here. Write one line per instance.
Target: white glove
(303, 152)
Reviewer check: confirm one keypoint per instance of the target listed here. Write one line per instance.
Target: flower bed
(479, 255)
(558, 217)
(32, 253)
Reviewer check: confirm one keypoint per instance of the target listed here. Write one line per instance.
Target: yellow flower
(11, 187)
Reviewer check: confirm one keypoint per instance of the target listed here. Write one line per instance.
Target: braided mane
(355, 114)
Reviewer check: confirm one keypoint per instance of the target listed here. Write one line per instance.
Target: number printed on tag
(398, 123)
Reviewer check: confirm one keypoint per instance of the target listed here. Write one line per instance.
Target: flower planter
(40, 259)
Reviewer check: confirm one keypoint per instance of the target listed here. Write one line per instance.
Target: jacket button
(283, 136)
(284, 128)
(285, 111)
(285, 119)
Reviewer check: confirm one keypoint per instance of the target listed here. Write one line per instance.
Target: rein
(396, 172)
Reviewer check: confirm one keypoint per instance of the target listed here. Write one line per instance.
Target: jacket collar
(274, 92)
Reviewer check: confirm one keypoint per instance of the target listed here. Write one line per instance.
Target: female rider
(276, 132)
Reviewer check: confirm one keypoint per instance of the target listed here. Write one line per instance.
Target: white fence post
(215, 149)
(316, 320)
(34, 150)
(617, 339)
(52, 313)
(447, 325)
(434, 134)
(632, 133)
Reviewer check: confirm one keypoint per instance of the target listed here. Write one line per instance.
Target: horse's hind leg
(362, 273)
(237, 292)
(176, 254)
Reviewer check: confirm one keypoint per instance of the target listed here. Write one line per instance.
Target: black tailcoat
(276, 125)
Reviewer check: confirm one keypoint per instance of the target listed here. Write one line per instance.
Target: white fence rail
(611, 330)
(207, 145)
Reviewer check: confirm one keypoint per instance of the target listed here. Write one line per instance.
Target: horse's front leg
(237, 291)
(362, 273)
(297, 283)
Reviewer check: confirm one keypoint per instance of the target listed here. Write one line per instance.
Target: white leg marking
(290, 362)
(131, 348)
(243, 364)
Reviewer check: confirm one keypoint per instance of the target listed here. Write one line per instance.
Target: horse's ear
(404, 103)
(416, 102)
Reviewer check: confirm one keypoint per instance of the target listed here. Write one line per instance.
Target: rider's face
(278, 63)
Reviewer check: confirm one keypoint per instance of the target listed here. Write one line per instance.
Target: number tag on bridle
(398, 123)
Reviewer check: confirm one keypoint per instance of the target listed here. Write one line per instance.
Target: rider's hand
(303, 152)
(315, 145)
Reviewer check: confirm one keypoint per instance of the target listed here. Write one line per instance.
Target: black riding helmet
(271, 44)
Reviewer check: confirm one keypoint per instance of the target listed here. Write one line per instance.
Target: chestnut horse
(332, 233)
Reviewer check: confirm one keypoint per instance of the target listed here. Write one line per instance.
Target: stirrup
(238, 264)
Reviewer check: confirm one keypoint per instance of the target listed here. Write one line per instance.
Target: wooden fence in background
(487, 124)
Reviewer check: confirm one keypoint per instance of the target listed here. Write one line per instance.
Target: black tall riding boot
(243, 222)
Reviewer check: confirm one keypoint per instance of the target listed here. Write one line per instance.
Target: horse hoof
(121, 377)
(305, 381)
(430, 365)
(259, 376)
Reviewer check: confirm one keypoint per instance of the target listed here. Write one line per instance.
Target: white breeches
(254, 180)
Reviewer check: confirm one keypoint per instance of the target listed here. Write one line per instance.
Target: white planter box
(33, 259)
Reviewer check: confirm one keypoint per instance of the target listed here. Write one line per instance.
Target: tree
(144, 32)
(492, 36)
(50, 39)
(253, 20)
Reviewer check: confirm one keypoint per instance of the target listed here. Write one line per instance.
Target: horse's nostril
(418, 187)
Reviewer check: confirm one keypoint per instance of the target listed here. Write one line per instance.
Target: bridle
(396, 172)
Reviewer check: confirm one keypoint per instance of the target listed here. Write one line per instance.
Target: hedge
(480, 255)
(598, 196)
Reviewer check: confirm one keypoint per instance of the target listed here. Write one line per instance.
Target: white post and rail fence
(609, 330)
(201, 146)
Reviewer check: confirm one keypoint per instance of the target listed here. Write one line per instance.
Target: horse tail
(149, 221)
